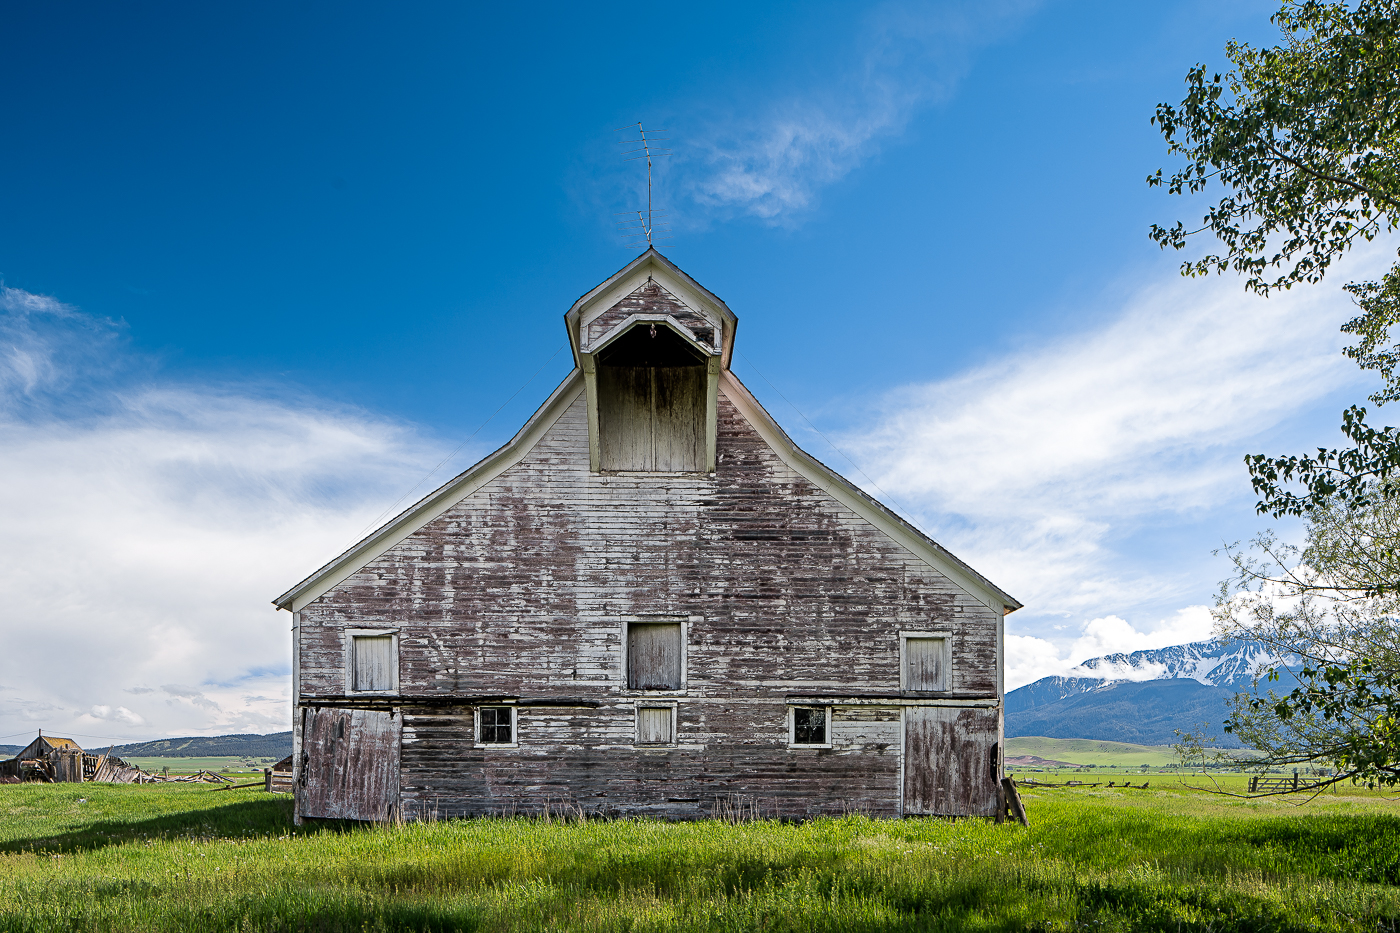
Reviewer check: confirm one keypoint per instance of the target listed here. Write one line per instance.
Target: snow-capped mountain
(1233, 665)
(1142, 696)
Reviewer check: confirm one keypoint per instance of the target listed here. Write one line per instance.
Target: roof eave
(440, 499)
(788, 449)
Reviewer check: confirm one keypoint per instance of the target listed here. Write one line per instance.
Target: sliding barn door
(351, 766)
(950, 761)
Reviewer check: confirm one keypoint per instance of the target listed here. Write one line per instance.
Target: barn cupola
(651, 342)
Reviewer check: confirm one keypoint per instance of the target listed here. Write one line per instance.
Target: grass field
(1092, 752)
(187, 765)
(176, 857)
(1121, 755)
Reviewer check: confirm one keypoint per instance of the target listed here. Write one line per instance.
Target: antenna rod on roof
(645, 225)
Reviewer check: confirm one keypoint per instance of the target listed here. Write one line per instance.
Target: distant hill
(276, 745)
(1142, 697)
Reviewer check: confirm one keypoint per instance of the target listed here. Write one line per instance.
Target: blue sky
(267, 266)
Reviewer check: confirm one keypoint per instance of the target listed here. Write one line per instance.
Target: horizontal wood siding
(590, 760)
(651, 298)
(524, 589)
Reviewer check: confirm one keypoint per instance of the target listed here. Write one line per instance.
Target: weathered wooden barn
(650, 601)
(60, 760)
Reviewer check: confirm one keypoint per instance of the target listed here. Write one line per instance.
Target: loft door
(950, 761)
(350, 764)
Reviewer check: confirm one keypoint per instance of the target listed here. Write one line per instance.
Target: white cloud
(1029, 658)
(772, 162)
(148, 524)
(1032, 466)
(1045, 467)
(116, 714)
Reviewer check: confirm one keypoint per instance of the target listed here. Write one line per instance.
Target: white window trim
(349, 668)
(637, 723)
(514, 727)
(792, 724)
(947, 661)
(627, 621)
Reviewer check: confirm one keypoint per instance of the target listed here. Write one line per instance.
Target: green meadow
(227, 763)
(1120, 755)
(181, 857)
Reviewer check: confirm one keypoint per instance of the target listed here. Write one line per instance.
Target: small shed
(48, 757)
(650, 601)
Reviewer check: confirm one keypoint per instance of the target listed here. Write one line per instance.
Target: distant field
(1094, 752)
(200, 764)
(181, 857)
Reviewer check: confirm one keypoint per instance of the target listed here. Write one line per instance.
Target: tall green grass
(85, 857)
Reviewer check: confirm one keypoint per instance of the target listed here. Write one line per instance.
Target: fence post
(267, 780)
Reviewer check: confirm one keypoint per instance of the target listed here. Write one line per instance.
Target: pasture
(179, 857)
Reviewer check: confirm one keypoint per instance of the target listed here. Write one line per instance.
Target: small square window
(655, 656)
(809, 725)
(496, 725)
(656, 725)
(925, 662)
(372, 661)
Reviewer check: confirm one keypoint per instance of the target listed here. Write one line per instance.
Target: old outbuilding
(54, 759)
(649, 601)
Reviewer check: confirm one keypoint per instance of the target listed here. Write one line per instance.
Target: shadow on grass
(263, 816)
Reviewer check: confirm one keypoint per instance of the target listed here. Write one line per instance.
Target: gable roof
(42, 742)
(676, 283)
(493, 465)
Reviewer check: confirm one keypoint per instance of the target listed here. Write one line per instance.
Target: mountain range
(1143, 696)
(245, 745)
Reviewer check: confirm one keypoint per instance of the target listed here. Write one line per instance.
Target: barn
(648, 602)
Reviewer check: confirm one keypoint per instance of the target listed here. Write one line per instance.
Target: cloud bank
(149, 523)
(1041, 467)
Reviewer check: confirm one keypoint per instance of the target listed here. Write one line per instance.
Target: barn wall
(523, 590)
(651, 298)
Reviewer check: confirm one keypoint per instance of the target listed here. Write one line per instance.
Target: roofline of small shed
(500, 460)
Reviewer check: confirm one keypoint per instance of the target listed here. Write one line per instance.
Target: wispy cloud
(769, 158)
(1038, 466)
(149, 522)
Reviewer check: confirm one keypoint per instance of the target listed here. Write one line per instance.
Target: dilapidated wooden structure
(650, 601)
(53, 759)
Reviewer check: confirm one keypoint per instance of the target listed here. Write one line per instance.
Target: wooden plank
(678, 417)
(351, 765)
(374, 662)
(654, 655)
(925, 666)
(654, 725)
(949, 761)
(624, 418)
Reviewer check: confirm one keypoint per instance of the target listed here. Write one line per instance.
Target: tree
(1305, 138)
(1328, 608)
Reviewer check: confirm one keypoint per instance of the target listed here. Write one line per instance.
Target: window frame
(514, 726)
(350, 635)
(637, 724)
(627, 622)
(792, 725)
(947, 638)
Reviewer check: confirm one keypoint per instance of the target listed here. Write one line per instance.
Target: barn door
(350, 768)
(950, 765)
